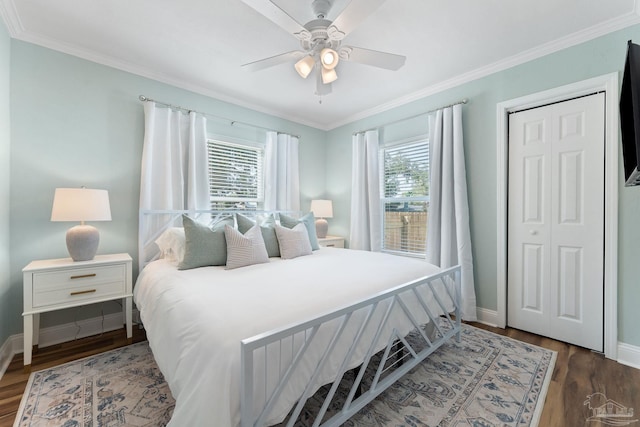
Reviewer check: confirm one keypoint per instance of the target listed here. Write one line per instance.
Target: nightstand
(331, 242)
(56, 284)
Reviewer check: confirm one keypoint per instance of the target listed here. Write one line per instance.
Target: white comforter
(195, 319)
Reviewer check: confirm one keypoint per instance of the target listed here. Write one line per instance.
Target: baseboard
(62, 333)
(487, 317)
(6, 354)
(629, 355)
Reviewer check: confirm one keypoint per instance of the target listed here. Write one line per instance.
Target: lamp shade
(80, 204)
(329, 75)
(322, 208)
(304, 66)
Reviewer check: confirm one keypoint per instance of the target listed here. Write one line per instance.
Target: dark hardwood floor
(578, 373)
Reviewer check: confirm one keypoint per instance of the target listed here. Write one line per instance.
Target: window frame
(384, 200)
(259, 147)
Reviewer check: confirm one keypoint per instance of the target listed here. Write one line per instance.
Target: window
(405, 196)
(235, 175)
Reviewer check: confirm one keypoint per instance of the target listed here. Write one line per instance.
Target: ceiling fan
(321, 41)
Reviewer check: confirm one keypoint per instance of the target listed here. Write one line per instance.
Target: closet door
(556, 221)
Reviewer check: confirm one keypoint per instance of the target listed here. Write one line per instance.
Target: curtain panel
(448, 234)
(366, 222)
(174, 160)
(282, 180)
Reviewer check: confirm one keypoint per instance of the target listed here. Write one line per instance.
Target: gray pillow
(244, 250)
(267, 229)
(294, 242)
(204, 245)
(309, 221)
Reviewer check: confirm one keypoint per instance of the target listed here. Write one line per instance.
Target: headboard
(152, 223)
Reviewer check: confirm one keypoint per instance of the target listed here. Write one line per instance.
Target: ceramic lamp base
(322, 226)
(82, 242)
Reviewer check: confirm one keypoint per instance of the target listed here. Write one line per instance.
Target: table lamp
(322, 209)
(81, 204)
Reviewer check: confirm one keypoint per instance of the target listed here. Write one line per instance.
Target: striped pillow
(293, 242)
(268, 233)
(244, 250)
(309, 221)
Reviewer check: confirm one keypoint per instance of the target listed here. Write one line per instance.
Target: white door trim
(609, 84)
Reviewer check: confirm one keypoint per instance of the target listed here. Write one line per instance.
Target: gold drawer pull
(82, 292)
(84, 276)
(331, 245)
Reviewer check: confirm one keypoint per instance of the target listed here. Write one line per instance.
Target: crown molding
(574, 39)
(9, 15)
(16, 30)
(149, 73)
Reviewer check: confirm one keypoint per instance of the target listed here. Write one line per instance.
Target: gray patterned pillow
(268, 232)
(294, 242)
(244, 250)
(204, 246)
(309, 221)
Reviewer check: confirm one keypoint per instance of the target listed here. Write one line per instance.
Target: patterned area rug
(485, 380)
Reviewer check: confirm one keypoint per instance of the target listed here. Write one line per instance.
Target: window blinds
(235, 175)
(405, 200)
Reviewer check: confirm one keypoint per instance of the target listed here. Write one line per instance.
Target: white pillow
(172, 244)
(294, 242)
(244, 250)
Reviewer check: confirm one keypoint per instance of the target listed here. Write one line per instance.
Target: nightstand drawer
(74, 285)
(331, 242)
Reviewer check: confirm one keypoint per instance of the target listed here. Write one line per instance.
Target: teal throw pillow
(204, 245)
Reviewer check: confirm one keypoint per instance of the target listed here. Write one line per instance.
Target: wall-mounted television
(630, 115)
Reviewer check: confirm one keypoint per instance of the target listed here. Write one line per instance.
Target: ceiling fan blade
(274, 60)
(352, 15)
(281, 18)
(389, 61)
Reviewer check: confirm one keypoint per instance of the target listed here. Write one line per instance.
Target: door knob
(533, 232)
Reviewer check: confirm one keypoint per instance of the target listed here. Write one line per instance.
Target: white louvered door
(556, 221)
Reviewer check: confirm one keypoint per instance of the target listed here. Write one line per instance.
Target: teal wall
(75, 122)
(5, 301)
(594, 58)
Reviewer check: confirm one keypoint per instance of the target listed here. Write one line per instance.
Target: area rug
(484, 380)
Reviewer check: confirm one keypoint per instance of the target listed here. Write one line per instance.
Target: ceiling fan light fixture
(329, 75)
(305, 66)
(329, 58)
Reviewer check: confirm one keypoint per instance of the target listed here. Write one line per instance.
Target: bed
(249, 346)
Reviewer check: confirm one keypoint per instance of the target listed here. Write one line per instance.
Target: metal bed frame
(389, 355)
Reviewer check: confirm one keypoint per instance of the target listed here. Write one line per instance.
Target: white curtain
(448, 235)
(282, 181)
(174, 160)
(366, 233)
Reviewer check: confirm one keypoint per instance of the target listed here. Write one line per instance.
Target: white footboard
(380, 338)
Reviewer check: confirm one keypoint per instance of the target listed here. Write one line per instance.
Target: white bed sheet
(195, 319)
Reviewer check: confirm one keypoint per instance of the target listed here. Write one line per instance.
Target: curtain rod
(232, 122)
(463, 101)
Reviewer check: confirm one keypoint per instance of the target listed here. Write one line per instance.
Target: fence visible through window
(405, 231)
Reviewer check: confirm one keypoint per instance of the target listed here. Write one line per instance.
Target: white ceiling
(200, 45)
